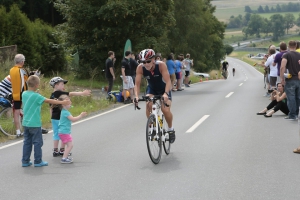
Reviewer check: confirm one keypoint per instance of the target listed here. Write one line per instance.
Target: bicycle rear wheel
(166, 142)
(153, 139)
(7, 125)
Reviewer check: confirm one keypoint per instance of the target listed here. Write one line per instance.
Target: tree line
(290, 7)
(254, 24)
(41, 9)
(94, 27)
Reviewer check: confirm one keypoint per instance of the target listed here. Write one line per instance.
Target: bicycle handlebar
(147, 98)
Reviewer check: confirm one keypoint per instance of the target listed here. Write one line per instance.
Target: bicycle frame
(159, 117)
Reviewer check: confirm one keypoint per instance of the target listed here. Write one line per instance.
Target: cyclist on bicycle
(159, 83)
(225, 65)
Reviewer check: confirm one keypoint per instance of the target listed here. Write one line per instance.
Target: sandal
(296, 150)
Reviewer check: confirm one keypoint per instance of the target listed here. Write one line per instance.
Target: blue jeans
(32, 136)
(292, 90)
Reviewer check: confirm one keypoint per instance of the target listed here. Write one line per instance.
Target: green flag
(128, 46)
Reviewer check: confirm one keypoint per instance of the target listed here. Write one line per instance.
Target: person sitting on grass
(279, 102)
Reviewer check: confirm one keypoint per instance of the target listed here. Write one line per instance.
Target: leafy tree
(3, 26)
(267, 10)
(196, 27)
(278, 8)
(33, 39)
(297, 22)
(41, 9)
(20, 33)
(273, 9)
(235, 22)
(260, 9)
(254, 26)
(289, 21)
(94, 27)
(49, 53)
(228, 49)
(277, 26)
(267, 26)
(8, 3)
(248, 9)
(246, 19)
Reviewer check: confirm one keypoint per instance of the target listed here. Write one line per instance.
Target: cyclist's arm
(138, 78)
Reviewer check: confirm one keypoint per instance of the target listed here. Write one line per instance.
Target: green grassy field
(227, 8)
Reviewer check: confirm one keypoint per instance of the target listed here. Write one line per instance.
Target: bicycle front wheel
(7, 125)
(153, 139)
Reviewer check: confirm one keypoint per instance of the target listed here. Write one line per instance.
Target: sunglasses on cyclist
(147, 61)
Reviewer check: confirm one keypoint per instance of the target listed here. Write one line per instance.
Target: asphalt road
(232, 154)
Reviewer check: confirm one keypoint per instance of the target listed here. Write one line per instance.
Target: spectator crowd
(282, 71)
(179, 71)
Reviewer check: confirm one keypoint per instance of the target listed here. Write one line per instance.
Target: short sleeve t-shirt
(108, 65)
(171, 66)
(64, 126)
(56, 110)
(188, 64)
(292, 64)
(178, 66)
(32, 103)
(126, 64)
(269, 63)
(277, 60)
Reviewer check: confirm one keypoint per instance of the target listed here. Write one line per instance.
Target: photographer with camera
(278, 102)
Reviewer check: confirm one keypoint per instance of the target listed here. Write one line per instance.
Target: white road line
(241, 84)
(228, 95)
(197, 124)
(14, 143)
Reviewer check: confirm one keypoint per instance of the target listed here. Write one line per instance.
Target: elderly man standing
(19, 76)
(292, 85)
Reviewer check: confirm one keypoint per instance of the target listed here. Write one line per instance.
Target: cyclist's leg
(150, 93)
(168, 114)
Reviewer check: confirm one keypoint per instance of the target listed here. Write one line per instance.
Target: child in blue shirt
(64, 128)
(58, 85)
(32, 103)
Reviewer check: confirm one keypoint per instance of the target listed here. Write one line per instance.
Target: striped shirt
(5, 86)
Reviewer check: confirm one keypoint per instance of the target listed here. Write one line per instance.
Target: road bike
(156, 129)
(7, 125)
(225, 74)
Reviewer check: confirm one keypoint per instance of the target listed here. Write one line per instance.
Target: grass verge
(243, 55)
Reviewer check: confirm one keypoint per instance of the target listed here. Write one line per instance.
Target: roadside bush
(36, 40)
